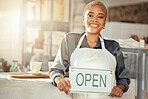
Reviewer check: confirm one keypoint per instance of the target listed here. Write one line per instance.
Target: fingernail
(68, 93)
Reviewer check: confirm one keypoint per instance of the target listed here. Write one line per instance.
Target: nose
(95, 19)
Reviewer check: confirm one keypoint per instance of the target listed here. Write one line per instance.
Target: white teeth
(94, 25)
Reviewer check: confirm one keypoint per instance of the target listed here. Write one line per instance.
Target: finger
(66, 90)
(60, 87)
(118, 91)
(59, 84)
(68, 83)
(115, 93)
(118, 94)
(112, 92)
(121, 94)
(65, 84)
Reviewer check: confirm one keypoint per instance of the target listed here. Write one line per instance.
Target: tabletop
(39, 88)
(29, 88)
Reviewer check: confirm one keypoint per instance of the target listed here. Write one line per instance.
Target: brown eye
(90, 15)
(101, 17)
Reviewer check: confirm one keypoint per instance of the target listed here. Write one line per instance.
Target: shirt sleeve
(120, 73)
(61, 62)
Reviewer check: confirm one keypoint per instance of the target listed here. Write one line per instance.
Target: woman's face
(94, 19)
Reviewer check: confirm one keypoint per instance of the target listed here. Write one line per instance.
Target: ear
(83, 21)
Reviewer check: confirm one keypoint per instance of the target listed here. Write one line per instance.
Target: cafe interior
(32, 30)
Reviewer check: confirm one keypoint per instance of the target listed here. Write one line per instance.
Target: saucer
(34, 72)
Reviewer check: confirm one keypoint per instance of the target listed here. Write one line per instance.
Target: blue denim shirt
(69, 43)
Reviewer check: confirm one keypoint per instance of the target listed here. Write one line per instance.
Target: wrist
(121, 86)
(57, 79)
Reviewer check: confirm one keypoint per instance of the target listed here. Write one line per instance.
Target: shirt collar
(85, 44)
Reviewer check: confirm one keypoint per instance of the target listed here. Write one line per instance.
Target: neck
(92, 37)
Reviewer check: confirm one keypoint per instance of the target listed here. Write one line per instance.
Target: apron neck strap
(82, 38)
(102, 42)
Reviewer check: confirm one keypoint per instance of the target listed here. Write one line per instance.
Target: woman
(76, 50)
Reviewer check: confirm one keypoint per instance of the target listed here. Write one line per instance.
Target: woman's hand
(63, 84)
(117, 91)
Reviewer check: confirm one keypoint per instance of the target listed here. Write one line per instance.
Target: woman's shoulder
(112, 42)
(111, 45)
(72, 40)
(73, 36)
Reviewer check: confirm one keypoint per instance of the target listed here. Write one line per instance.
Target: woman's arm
(121, 73)
(122, 81)
(61, 62)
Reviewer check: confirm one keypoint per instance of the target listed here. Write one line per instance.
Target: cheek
(103, 23)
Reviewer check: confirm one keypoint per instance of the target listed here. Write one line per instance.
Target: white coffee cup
(50, 64)
(35, 67)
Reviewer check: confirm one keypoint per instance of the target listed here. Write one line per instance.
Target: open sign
(84, 80)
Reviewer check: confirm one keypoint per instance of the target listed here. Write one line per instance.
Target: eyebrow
(98, 13)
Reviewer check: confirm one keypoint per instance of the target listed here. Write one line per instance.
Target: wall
(113, 3)
(120, 30)
(10, 36)
(137, 13)
(77, 7)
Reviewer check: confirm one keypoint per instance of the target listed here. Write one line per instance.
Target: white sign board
(84, 80)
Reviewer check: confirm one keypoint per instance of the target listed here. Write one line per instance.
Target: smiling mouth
(94, 25)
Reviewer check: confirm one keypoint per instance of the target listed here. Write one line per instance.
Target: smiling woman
(94, 20)
(89, 50)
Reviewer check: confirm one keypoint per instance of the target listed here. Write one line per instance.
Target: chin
(94, 32)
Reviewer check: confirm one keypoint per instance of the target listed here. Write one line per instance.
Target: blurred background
(33, 29)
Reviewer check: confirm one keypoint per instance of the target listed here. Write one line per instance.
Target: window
(45, 23)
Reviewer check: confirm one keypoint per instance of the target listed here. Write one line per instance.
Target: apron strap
(102, 42)
(82, 38)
